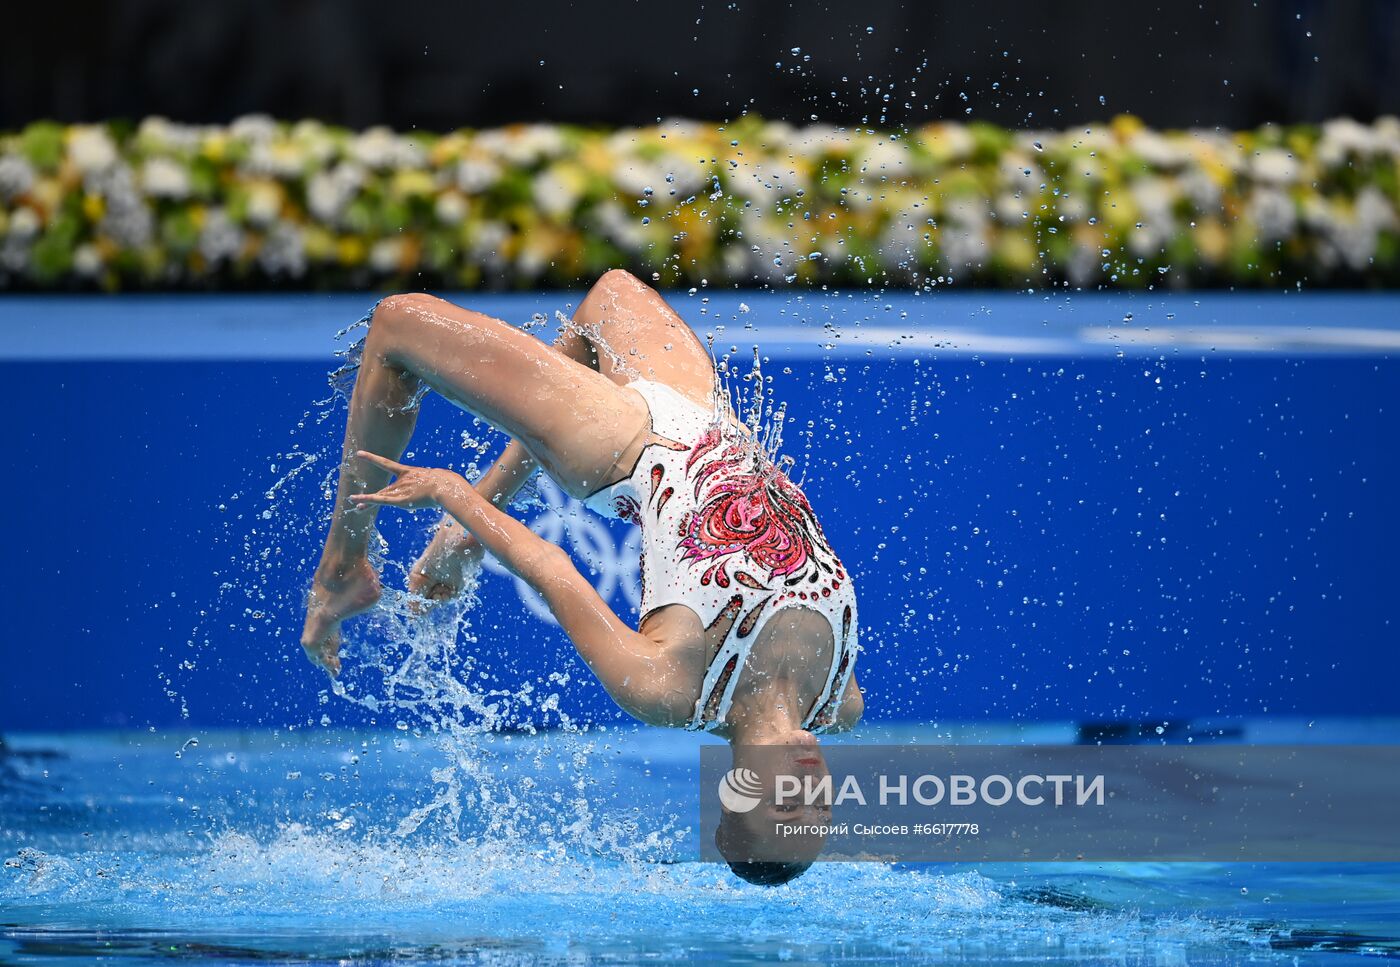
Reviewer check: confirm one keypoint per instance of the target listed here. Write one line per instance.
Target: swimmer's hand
(440, 573)
(414, 488)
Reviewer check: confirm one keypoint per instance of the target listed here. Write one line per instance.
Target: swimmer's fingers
(412, 491)
(390, 465)
(390, 496)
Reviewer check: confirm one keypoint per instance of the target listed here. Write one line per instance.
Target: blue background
(1052, 511)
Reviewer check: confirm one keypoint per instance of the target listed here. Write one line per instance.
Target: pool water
(379, 846)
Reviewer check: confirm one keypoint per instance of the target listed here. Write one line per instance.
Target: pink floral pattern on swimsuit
(745, 506)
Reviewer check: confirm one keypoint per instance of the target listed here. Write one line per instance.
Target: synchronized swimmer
(748, 618)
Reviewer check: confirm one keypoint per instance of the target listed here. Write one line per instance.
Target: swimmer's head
(759, 843)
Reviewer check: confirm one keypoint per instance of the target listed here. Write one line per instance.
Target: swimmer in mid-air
(748, 618)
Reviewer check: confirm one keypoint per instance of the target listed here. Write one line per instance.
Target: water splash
(410, 666)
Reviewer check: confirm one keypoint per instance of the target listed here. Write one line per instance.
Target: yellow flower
(411, 182)
(215, 147)
(93, 207)
(1016, 251)
(350, 250)
(1124, 126)
(1212, 241)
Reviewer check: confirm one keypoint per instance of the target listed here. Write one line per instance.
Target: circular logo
(740, 790)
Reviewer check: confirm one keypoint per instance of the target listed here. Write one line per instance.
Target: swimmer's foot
(338, 591)
(440, 572)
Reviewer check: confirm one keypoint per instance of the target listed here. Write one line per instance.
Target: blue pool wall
(1147, 508)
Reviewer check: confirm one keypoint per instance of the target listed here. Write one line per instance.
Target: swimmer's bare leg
(574, 421)
(622, 324)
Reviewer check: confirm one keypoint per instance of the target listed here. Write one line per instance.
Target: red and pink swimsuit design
(725, 533)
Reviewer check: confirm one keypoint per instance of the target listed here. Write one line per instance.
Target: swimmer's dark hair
(758, 872)
(769, 872)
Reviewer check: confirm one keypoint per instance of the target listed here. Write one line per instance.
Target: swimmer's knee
(614, 280)
(397, 312)
(616, 284)
(599, 306)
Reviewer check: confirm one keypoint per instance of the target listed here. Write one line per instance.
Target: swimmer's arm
(499, 484)
(634, 669)
(640, 674)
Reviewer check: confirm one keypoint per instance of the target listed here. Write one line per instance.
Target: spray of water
(411, 666)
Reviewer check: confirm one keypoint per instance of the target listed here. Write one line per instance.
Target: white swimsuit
(725, 533)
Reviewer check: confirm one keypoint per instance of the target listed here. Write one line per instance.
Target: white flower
(886, 157)
(686, 176)
(746, 183)
(329, 192)
(1158, 150)
(530, 261)
(897, 245)
(623, 229)
(126, 219)
(816, 140)
(324, 197)
(16, 176)
(1343, 136)
(386, 255)
(1386, 132)
(1373, 209)
(1096, 139)
(1073, 207)
(634, 175)
(164, 178)
(253, 128)
(1083, 264)
(684, 128)
(1200, 190)
(14, 254)
(91, 149)
(264, 204)
(1223, 147)
(24, 224)
(487, 239)
(554, 194)
(1020, 172)
(1350, 237)
(283, 251)
(1011, 207)
(87, 261)
(451, 208)
(1274, 166)
(162, 134)
(966, 211)
(523, 146)
(280, 159)
(951, 141)
(220, 238)
(1154, 198)
(475, 175)
(777, 132)
(380, 148)
(963, 246)
(1272, 213)
(315, 141)
(963, 237)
